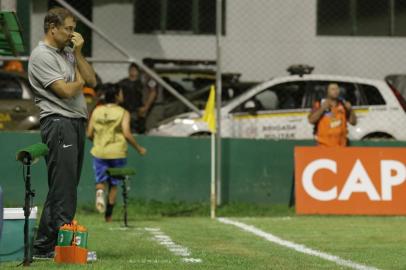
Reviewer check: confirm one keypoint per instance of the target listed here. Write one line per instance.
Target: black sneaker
(44, 256)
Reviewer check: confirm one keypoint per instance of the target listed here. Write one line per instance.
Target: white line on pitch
(299, 248)
(176, 249)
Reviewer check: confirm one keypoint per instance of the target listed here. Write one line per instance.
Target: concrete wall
(8, 5)
(39, 8)
(263, 38)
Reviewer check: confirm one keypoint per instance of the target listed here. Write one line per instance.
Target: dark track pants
(65, 138)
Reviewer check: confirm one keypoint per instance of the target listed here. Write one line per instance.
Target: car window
(285, 96)
(348, 91)
(10, 88)
(372, 95)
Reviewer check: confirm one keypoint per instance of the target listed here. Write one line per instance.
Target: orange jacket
(14, 66)
(331, 129)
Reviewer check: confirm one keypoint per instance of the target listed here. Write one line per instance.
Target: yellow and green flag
(209, 115)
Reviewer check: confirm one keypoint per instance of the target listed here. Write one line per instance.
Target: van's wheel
(201, 135)
(378, 136)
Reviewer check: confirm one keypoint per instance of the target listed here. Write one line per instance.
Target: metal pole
(213, 198)
(19, 58)
(125, 200)
(392, 17)
(218, 98)
(27, 210)
(117, 46)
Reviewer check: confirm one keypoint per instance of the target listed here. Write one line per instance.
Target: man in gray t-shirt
(58, 73)
(48, 65)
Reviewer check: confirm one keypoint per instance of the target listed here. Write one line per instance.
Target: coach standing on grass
(58, 73)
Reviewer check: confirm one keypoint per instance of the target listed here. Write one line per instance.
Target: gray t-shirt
(47, 65)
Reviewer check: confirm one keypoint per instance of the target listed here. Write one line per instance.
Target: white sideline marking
(125, 229)
(176, 249)
(118, 229)
(299, 248)
(150, 261)
(192, 260)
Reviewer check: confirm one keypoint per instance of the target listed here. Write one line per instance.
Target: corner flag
(209, 115)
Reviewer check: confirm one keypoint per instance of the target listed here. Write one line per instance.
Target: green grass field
(372, 241)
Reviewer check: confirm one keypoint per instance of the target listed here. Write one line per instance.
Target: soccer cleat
(100, 203)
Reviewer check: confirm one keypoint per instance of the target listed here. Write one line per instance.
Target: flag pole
(209, 117)
(213, 178)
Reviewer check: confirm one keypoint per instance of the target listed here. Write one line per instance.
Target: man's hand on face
(77, 41)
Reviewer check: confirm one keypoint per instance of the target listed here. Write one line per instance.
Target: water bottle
(81, 237)
(91, 256)
(65, 235)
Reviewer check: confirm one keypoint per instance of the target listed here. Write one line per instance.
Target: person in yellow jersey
(109, 129)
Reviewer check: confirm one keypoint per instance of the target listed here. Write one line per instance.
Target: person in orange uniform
(14, 66)
(330, 117)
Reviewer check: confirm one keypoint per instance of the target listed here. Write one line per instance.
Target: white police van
(278, 109)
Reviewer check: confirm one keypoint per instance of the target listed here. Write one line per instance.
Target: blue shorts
(101, 165)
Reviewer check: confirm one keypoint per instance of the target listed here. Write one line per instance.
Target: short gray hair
(57, 17)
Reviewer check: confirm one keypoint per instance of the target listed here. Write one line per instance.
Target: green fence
(176, 169)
